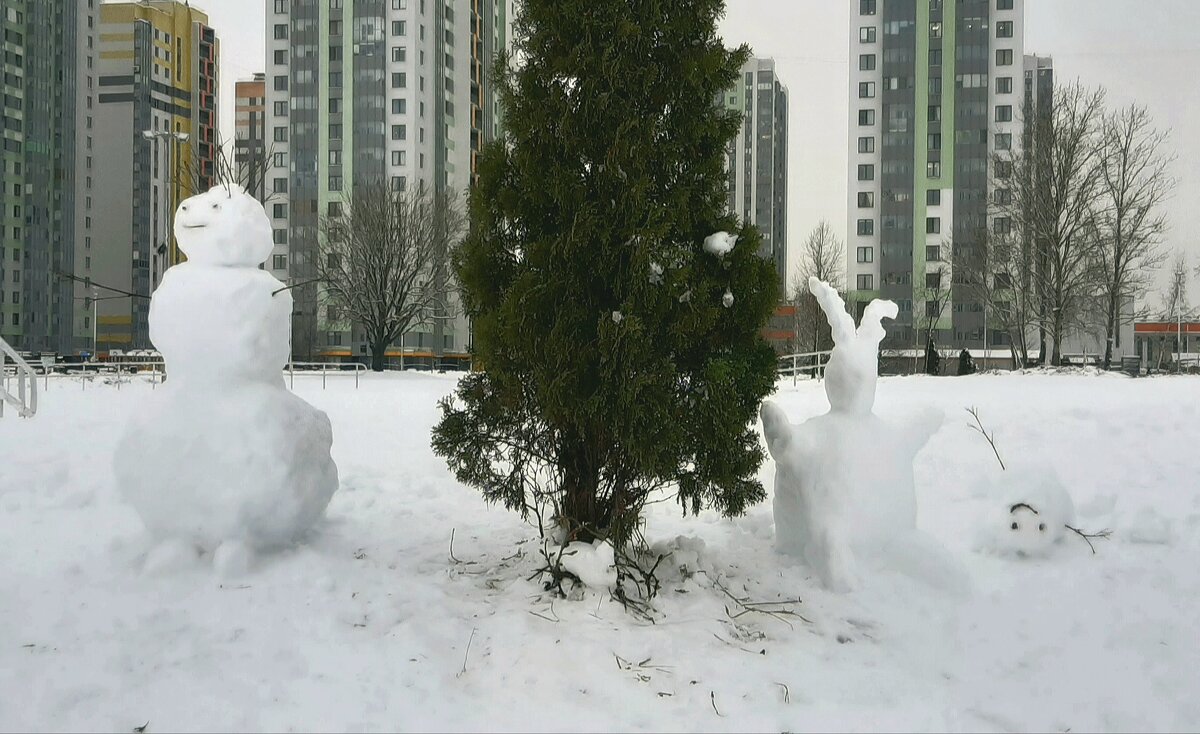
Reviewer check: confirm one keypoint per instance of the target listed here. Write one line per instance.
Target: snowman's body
(844, 490)
(224, 453)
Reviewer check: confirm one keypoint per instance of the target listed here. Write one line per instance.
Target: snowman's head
(1028, 532)
(224, 226)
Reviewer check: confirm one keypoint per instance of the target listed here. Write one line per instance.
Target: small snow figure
(1033, 510)
(727, 299)
(656, 273)
(844, 490)
(720, 243)
(966, 365)
(224, 458)
(617, 317)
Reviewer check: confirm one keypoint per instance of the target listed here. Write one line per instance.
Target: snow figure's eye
(1042, 527)
(1014, 526)
(216, 206)
(184, 207)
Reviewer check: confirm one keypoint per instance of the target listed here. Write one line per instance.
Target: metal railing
(326, 367)
(794, 364)
(25, 400)
(155, 369)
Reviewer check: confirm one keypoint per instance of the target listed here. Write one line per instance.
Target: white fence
(25, 399)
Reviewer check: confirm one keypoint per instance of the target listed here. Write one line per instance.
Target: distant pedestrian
(966, 365)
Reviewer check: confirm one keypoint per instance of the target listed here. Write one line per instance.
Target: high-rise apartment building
(250, 148)
(757, 163)
(46, 88)
(367, 92)
(157, 115)
(936, 87)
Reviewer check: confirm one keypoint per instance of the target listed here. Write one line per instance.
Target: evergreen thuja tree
(619, 357)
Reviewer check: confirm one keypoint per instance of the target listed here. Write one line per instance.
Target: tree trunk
(1109, 329)
(581, 511)
(379, 355)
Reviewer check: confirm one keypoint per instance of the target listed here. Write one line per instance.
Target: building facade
(157, 115)
(936, 88)
(46, 86)
(757, 159)
(250, 148)
(368, 92)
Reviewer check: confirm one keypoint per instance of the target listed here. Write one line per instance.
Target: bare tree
(931, 299)
(1002, 280)
(1176, 305)
(821, 256)
(1048, 192)
(383, 261)
(1135, 181)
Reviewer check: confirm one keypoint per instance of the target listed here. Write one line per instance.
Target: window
(1002, 197)
(281, 83)
(935, 141)
(281, 134)
(280, 6)
(399, 158)
(933, 309)
(1004, 85)
(335, 157)
(866, 227)
(280, 236)
(866, 90)
(866, 62)
(866, 117)
(399, 106)
(279, 211)
(279, 262)
(281, 56)
(935, 113)
(280, 185)
(335, 27)
(399, 27)
(335, 183)
(335, 104)
(281, 31)
(399, 132)
(935, 29)
(1004, 29)
(1004, 169)
(399, 183)
(866, 7)
(399, 80)
(281, 109)
(933, 225)
(933, 197)
(334, 209)
(935, 85)
(866, 254)
(935, 57)
(865, 282)
(866, 172)
(335, 79)
(933, 253)
(1004, 57)
(933, 169)
(866, 199)
(279, 160)
(335, 131)
(1004, 4)
(933, 280)
(866, 145)
(1004, 113)
(1003, 141)
(866, 34)
(399, 53)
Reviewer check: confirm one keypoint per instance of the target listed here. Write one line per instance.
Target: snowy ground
(372, 625)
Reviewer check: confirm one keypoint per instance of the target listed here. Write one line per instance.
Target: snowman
(224, 459)
(1031, 510)
(845, 498)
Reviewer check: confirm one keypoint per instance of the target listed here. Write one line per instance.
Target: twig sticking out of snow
(769, 608)
(787, 695)
(465, 654)
(979, 427)
(712, 697)
(1087, 537)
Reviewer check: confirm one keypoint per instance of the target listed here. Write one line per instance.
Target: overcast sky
(1146, 51)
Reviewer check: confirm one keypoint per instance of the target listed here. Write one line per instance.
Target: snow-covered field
(373, 625)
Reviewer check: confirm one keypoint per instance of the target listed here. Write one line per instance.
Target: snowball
(727, 299)
(1029, 509)
(223, 456)
(844, 489)
(224, 226)
(720, 243)
(594, 564)
(617, 317)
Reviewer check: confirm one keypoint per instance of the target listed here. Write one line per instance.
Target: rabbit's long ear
(776, 427)
(840, 322)
(872, 320)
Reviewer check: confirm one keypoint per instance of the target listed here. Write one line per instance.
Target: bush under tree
(619, 358)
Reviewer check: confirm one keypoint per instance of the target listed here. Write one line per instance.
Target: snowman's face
(224, 226)
(1027, 532)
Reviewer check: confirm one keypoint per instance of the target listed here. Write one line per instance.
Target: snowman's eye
(1042, 527)
(1014, 526)
(184, 207)
(216, 206)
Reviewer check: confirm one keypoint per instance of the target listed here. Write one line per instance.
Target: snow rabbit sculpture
(844, 493)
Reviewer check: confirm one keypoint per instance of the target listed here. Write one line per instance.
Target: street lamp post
(171, 176)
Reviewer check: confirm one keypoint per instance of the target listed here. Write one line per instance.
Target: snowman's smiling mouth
(194, 226)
